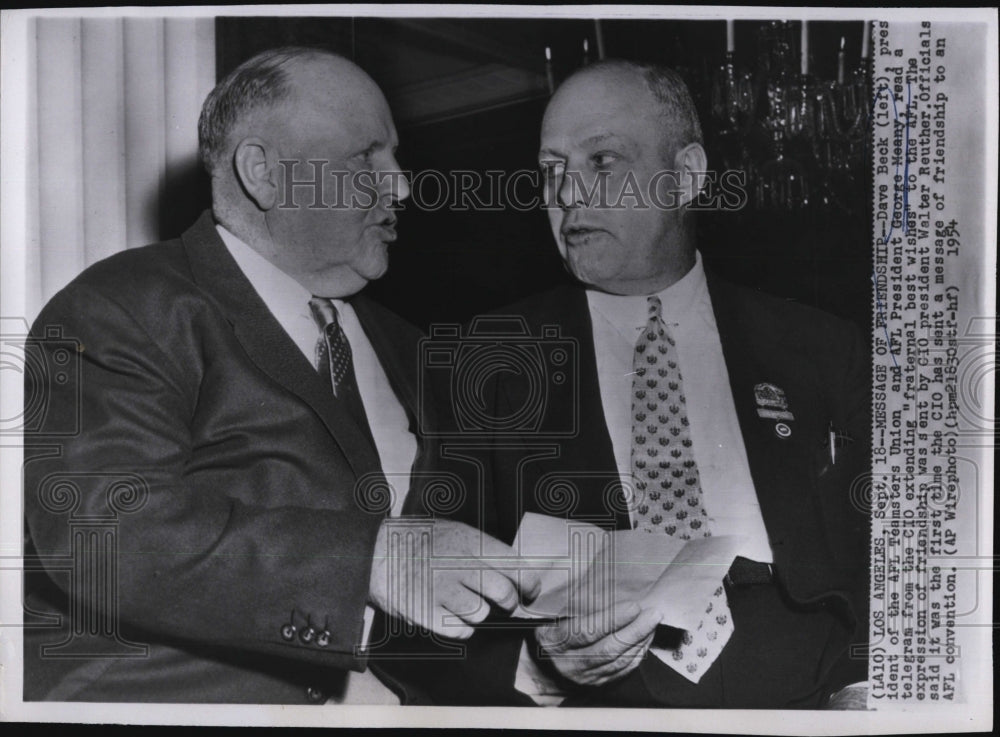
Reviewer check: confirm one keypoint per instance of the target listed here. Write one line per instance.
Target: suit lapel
(589, 453)
(266, 343)
(779, 466)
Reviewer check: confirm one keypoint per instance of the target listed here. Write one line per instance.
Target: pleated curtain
(113, 106)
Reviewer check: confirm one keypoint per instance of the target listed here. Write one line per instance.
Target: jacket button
(323, 639)
(288, 632)
(315, 696)
(307, 635)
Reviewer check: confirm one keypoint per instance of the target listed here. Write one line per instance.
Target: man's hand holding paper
(611, 590)
(449, 585)
(598, 647)
(579, 563)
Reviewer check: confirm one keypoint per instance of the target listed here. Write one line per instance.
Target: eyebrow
(593, 140)
(601, 137)
(365, 148)
(377, 143)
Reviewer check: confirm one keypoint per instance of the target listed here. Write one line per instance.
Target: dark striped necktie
(335, 361)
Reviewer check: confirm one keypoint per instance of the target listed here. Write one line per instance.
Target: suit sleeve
(194, 561)
(846, 506)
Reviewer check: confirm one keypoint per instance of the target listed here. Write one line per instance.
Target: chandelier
(800, 140)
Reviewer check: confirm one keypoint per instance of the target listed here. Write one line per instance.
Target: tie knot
(655, 308)
(323, 312)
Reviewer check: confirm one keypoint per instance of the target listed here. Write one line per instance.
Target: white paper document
(586, 569)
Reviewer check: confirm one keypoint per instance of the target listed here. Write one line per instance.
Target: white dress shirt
(727, 489)
(288, 302)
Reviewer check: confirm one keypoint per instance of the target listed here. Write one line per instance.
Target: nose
(570, 192)
(394, 184)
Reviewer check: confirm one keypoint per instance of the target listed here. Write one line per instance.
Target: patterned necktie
(334, 360)
(667, 483)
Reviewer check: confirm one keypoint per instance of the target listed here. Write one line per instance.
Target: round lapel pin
(782, 430)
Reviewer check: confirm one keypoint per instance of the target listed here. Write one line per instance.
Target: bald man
(721, 411)
(242, 408)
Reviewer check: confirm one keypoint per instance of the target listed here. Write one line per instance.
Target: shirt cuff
(852, 697)
(366, 632)
(533, 682)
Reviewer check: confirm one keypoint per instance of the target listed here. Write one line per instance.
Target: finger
(488, 553)
(633, 652)
(642, 654)
(459, 539)
(462, 602)
(576, 633)
(628, 662)
(625, 614)
(640, 628)
(494, 587)
(608, 651)
(528, 582)
(553, 637)
(595, 626)
(614, 663)
(504, 560)
(592, 667)
(444, 623)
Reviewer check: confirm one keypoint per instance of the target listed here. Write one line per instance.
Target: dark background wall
(470, 94)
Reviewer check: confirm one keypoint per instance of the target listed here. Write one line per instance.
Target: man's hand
(850, 698)
(599, 647)
(446, 584)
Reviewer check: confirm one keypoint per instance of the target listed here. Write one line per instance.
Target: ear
(691, 162)
(254, 161)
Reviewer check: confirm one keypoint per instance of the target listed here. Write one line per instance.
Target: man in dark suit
(215, 525)
(693, 408)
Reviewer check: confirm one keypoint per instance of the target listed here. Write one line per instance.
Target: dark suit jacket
(198, 473)
(813, 510)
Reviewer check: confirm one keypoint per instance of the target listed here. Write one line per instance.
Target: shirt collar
(287, 300)
(681, 302)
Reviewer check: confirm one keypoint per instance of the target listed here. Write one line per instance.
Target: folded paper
(585, 568)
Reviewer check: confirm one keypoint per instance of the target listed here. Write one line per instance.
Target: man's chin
(376, 266)
(585, 273)
(346, 280)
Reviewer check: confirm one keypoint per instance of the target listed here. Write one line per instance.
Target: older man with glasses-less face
(264, 414)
